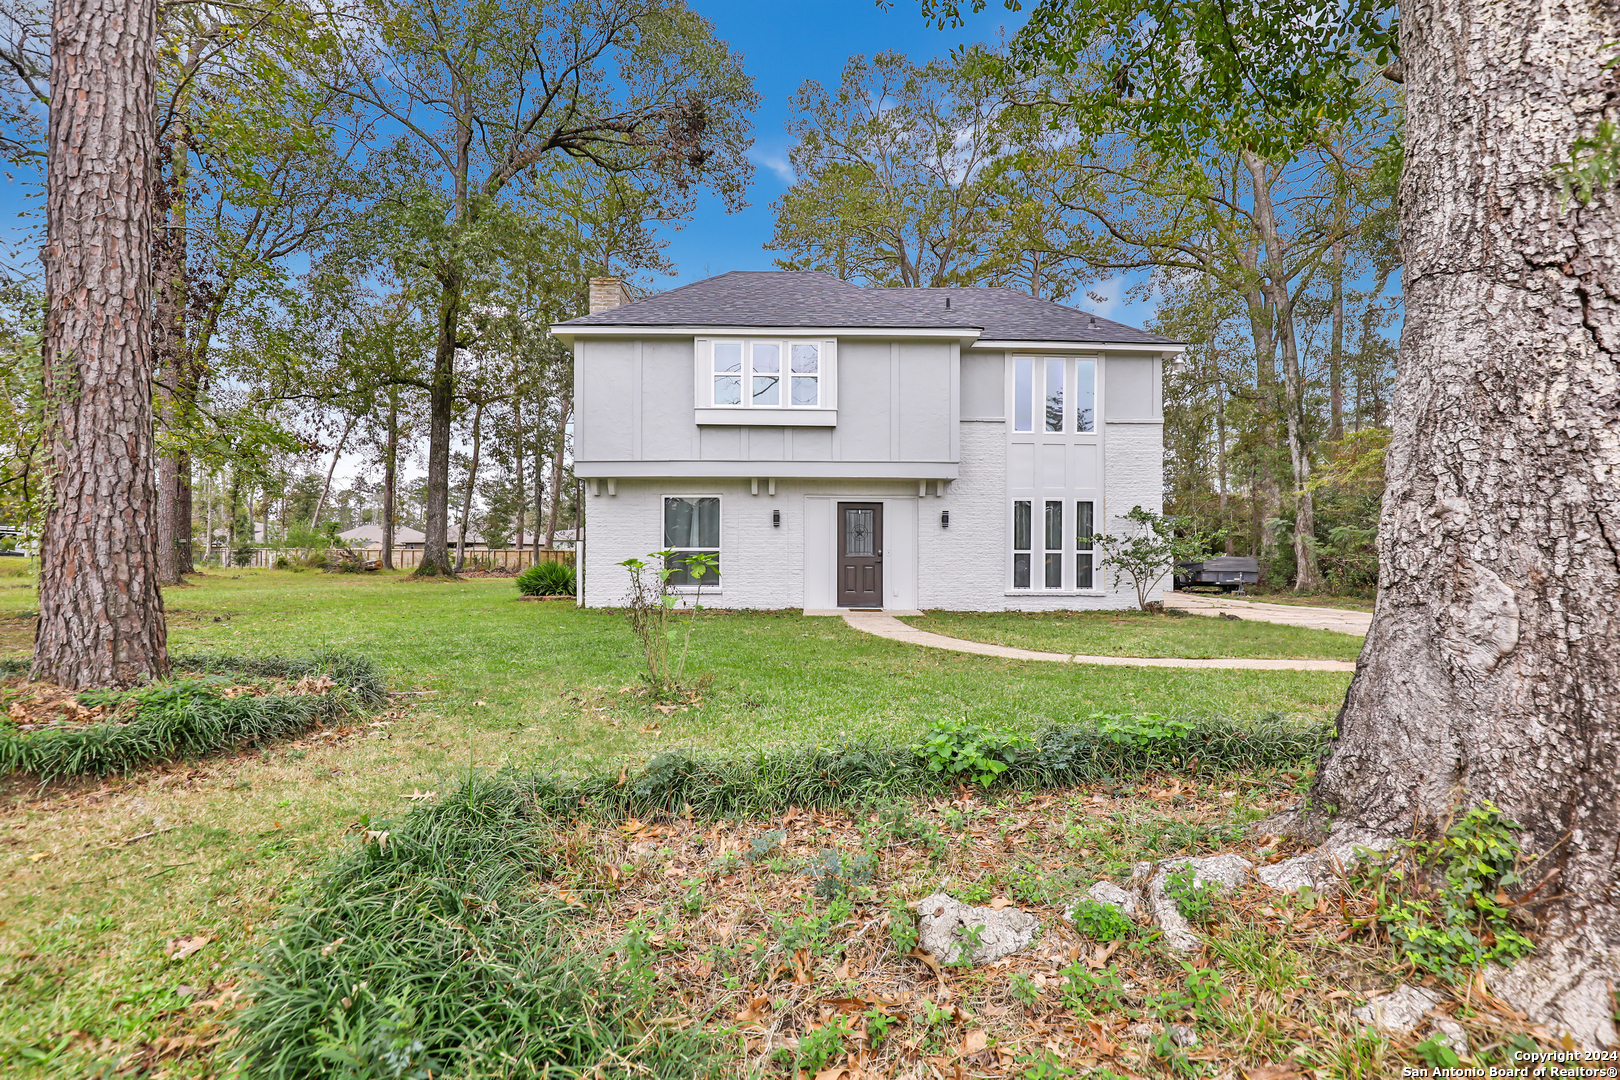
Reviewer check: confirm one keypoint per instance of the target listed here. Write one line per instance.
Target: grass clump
(188, 717)
(426, 951)
(547, 579)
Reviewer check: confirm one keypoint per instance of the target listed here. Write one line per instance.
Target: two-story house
(841, 446)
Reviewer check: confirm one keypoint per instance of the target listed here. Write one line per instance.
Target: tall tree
(100, 612)
(1491, 671)
(477, 93)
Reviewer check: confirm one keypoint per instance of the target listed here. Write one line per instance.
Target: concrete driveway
(1312, 618)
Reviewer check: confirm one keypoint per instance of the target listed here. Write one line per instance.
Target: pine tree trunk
(390, 479)
(168, 347)
(558, 452)
(185, 556)
(467, 496)
(522, 510)
(100, 612)
(1336, 317)
(441, 407)
(1492, 671)
(539, 484)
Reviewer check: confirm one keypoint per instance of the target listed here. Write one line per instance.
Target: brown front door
(860, 555)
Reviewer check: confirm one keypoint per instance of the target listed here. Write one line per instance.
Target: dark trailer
(1228, 572)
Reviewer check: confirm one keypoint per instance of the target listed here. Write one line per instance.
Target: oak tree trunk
(1491, 671)
(100, 611)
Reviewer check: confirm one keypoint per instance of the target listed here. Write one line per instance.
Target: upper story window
(776, 374)
(1066, 390)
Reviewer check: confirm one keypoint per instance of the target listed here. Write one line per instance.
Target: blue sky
(783, 45)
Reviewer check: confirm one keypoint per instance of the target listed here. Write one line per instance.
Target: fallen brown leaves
(740, 944)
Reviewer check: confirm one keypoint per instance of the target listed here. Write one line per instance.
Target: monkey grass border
(186, 717)
(405, 939)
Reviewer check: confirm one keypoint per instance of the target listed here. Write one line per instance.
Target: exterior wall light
(776, 519)
(944, 519)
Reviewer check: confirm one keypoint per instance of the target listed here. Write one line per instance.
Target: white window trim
(1067, 583)
(827, 378)
(709, 589)
(1013, 552)
(1071, 427)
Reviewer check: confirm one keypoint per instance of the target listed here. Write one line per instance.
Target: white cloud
(775, 161)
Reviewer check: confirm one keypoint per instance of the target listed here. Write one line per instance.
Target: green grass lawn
(1136, 633)
(101, 878)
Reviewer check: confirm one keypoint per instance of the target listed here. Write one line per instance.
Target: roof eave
(566, 333)
(1165, 348)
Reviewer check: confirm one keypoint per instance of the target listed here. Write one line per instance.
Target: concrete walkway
(885, 625)
(1311, 618)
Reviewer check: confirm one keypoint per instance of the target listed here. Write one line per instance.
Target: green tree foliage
(906, 177)
(476, 94)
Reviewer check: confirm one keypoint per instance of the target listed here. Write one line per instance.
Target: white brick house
(840, 446)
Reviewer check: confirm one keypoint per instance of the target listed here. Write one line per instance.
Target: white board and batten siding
(911, 416)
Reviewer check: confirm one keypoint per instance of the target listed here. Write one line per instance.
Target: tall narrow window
(767, 373)
(1054, 397)
(806, 373)
(728, 373)
(1054, 544)
(1023, 394)
(1021, 539)
(1085, 395)
(692, 527)
(1082, 545)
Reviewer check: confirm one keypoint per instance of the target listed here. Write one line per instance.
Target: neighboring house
(371, 536)
(840, 446)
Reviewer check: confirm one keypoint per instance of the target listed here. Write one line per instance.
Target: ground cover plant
(1137, 633)
(769, 937)
(212, 703)
(130, 902)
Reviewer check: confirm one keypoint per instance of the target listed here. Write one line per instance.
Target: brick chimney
(607, 293)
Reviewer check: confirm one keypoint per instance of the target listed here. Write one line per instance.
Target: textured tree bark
(1275, 283)
(441, 405)
(390, 479)
(100, 611)
(1492, 670)
(168, 348)
(472, 480)
(1336, 314)
(522, 510)
(558, 451)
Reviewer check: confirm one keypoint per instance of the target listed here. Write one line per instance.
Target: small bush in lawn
(547, 579)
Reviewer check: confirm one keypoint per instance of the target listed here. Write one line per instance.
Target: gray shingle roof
(745, 298)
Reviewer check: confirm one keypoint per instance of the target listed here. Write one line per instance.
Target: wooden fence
(407, 559)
